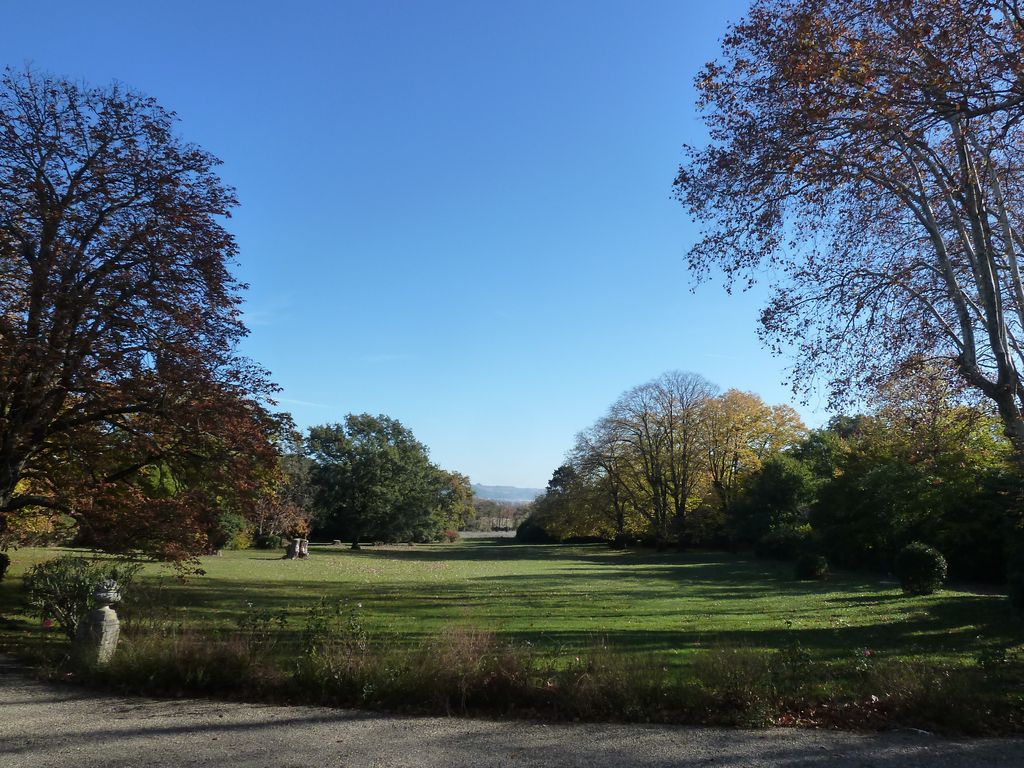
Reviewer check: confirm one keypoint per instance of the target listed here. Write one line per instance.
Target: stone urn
(107, 593)
(96, 638)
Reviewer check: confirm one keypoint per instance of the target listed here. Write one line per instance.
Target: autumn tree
(683, 401)
(490, 515)
(645, 458)
(868, 153)
(634, 423)
(602, 458)
(287, 507)
(740, 432)
(119, 320)
(454, 500)
(562, 511)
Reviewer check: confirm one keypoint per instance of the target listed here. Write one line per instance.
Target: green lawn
(568, 598)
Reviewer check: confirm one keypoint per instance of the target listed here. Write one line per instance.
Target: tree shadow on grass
(576, 608)
(473, 550)
(717, 569)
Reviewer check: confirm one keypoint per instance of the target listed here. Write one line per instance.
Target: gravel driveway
(45, 725)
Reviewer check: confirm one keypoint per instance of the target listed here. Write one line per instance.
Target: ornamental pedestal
(96, 638)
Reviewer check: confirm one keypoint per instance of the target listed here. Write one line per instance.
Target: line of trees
(667, 456)
(365, 479)
(922, 465)
(491, 515)
(672, 461)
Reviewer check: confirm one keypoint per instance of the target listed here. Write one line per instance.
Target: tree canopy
(119, 324)
(868, 153)
(373, 479)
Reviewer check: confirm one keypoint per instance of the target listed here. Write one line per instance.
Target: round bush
(530, 532)
(5, 563)
(811, 568)
(921, 569)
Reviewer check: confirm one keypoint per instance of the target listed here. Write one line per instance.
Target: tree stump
(297, 548)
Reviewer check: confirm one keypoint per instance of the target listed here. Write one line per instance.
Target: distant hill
(506, 493)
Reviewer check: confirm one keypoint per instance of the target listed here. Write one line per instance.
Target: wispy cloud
(254, 318)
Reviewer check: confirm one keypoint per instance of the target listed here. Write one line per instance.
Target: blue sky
(455, 213)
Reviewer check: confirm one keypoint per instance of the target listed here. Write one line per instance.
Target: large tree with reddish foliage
(119, 320)
(868, 155)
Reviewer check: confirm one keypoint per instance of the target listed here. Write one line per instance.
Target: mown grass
(564, 612)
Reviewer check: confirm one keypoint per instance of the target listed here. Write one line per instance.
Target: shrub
(450, 536)
(62, 589)
(454, 669)
(811, 567)
(783, 543)
(621, 541)
(332, 625)
(5, 563)
(774, 498)
(705, 526)
(231, 532)
(584, 540)
(921, 569)
(791, 669)
(531, 532)
(269, 541)
(934, 696)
